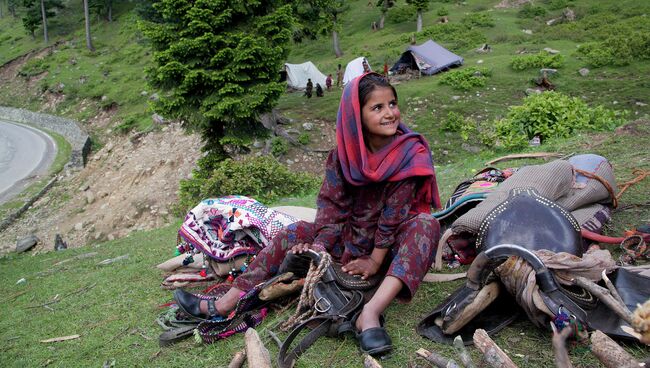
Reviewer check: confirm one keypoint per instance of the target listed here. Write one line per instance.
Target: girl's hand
(363, 266)
(300, 248)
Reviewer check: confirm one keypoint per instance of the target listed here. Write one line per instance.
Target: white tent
(297, 75)
(354, 69)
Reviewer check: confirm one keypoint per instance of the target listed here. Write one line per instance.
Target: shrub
(279, 147)
(466, 79)
(262, 178)
(531, 11)
(33, 68)
(454, 36)
(616, 50)
(478, 20)
(454, 122)
(402, 13)
(304, 138)
(542, 59)
(552, 115)
(442, 12)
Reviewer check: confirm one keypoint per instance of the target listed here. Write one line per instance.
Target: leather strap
(331, 325)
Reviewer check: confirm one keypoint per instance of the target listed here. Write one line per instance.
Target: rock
(308, 126)
(90, 197)
(154, 97)
(445, 152)
(104, 98)
(569, 15)
(144, 93)
(157, 119)
(79, 226)
(551, 51)
(535, 142)
(258, 144)
(480, 61)
(21, 281)
(289, 162)
(547, 71)
(552, 21)
(98, 235)
(26, 243)
(527, 31)
(455, 98)
(470, 148)
(109, 147)
(532, 91)
(59, 244)
(639, 103)
(583, 72)
(73, 61)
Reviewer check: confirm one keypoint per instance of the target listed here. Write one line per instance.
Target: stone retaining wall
(77, 137)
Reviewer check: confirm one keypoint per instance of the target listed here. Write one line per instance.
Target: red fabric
(408, 155)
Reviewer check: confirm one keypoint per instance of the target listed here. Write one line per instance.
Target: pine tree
(37, 12)
(217, 63)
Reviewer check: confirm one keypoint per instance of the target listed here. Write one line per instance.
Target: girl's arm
(333, 203)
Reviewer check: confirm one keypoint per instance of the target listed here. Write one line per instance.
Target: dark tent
(429, 58)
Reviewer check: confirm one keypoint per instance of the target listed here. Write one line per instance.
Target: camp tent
(354, 69)
(297, 75)
(429, 58)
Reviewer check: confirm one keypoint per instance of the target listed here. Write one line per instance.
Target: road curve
(25, 154)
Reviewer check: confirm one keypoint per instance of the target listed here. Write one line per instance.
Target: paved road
(25, 154)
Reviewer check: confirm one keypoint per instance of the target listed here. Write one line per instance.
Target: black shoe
(374, 340)
(190, 304)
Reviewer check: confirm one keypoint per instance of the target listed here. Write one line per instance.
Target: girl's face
(380, 117)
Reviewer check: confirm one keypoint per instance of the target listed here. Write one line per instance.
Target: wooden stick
(613, 291)
(491, 351)
(238, 360)
(605, 296)
(611, 354)
(464, 356)
(523, 155)
(370, 362)
(63, 338)
(559, 347)
(443, 277)
(275, 338)
(256, 353)
(437, 360)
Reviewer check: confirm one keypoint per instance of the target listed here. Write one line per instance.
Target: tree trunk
(110, 11)
(419, 28)
(381, 20)
(47, 40)
(335, 38)
(89, 41)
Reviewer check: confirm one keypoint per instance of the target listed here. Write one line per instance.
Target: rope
(640, 175)
(604, 183)
(305, 309)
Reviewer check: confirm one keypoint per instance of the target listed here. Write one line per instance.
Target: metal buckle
(317, 305)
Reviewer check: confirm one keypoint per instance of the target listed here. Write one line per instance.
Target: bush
(442, 12)
(453, 36)
(262, 178)
(542, 59)
(552, 115)
(466, 79)
(531, 11)
(616, 50)
(402, 13)
(454, 122)
(478, 20)
(279, 147)
(33, 68)
(304, 138)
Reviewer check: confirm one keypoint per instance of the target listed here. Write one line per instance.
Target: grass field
(113, 307)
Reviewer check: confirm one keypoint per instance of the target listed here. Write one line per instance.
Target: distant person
(310, 87)
(328, 82)
(366, 67)
(319, 90)
(385, 69)
(339, 76)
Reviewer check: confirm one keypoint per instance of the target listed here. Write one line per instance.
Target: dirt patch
(128, 185)
(637, 127)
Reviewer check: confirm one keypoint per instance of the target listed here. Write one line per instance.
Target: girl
(373, 211)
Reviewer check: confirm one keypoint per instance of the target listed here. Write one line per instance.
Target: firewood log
(611, 354)
(256, 354)
(495, 357)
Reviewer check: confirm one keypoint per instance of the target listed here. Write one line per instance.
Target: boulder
(308, 126)
(157, 119)
(551, 51)
(583, 72)
(59, 244)
(26, 243)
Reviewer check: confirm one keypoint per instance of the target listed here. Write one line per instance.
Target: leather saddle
(523, 223)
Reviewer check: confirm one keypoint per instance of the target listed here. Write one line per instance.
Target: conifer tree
(420, 6)
(218, 63)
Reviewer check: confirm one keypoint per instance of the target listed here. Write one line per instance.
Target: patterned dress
(350, 222)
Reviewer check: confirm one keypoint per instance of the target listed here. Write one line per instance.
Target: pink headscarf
(406, 156)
